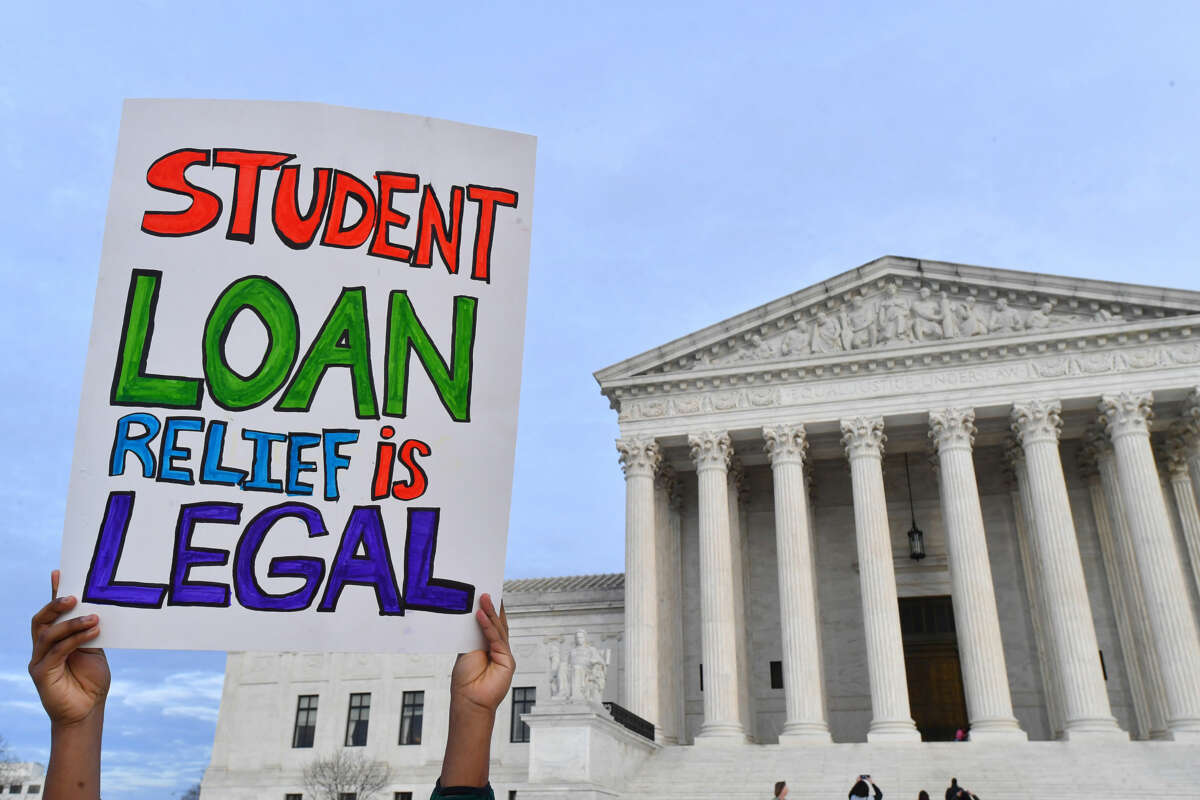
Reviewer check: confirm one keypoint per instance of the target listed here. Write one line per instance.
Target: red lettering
(412, 489)
(248, 163)
(296, 231)
(432, 225)
(488, 198)
(389, 183)
(337, 234)
(167, 174)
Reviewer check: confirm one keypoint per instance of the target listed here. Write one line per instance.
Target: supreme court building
(915, 498)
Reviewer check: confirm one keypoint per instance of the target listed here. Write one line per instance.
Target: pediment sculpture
(892, 318)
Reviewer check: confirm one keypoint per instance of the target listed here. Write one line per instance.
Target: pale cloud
(194, 694)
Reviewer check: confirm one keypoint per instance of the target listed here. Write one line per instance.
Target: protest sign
(299, 406)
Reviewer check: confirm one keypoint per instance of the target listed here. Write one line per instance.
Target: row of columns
(1139, 545)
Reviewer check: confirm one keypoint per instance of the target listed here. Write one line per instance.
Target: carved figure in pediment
(795, 342)
(1039, 318)
(826, 334)
(1104, 315)
(756, 348)
(894, 317)
(949, 323)
(1004, 319)
(927, 316)
(970, 319)
(859, 325)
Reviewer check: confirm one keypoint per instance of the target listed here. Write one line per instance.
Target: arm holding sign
(72, 682)
(478, 685)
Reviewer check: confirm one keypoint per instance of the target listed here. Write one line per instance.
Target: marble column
(711, 452)
(980, 648)
(1191, 418)
(1178, 452)
(640, 457)
(802, 688)
(1035, 588)
(1172, 624)
(670, 607)
(738, 495)
(891, 717)
(1143, 645)
(1085, 707)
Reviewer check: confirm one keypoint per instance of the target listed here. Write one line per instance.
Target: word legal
(362, 558)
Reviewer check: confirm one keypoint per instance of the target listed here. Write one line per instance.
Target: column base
(893, 730)
(1184, 730)
(721, 734)
(997, 730)
(1094, 729)
(796, 733)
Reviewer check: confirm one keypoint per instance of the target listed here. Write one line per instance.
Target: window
(356, 725)
(14, 788)
(776, 674)
(412, 714)
(512, 794)
(402, 796)
(306, 723)
(702, 677)
(34, 788)
(293, 797)
(347, 796)
(523, 699)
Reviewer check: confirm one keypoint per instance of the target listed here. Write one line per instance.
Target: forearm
(74, 769)
(468, 745)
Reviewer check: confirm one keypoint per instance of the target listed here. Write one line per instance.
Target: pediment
(899, 303)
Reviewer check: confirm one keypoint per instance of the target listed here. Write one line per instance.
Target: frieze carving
(889, 316)
(1017, 370)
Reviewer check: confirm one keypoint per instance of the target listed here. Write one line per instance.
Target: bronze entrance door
(935, 689)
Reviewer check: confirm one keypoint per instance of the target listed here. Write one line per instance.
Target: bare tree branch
(342, 774)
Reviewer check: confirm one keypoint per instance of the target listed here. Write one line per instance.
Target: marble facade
(1036, 407)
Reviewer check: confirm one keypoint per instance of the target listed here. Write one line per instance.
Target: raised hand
(71, 680)
(482, 677)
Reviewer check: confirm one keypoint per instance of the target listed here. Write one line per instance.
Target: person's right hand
(71, 680)
(481, 678)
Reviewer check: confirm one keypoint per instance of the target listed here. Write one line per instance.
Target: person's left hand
(71, 680)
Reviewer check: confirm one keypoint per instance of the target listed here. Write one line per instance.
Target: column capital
(785, 443)
(1013, 454)
(1176, 450)
(1094, 448)
(639, 455)
(710, 450)
(952, 428)
(863, 436)
(1126, 413)
(1037, 421)
(672, 487)
(736, 475)
(1191, 412)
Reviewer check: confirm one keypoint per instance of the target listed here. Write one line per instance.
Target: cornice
(926, 356)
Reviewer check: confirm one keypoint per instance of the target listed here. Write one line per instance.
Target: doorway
(935, 687)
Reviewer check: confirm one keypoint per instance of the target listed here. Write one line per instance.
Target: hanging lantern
(916, 539)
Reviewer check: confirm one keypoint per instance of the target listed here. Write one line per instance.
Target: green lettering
(342, 342)
(406, 334)
(132, 385)
(275, 310)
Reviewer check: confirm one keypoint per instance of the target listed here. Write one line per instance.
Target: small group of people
(864, 787)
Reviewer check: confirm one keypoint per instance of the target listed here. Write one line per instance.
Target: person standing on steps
(863, 788)
(781, 790)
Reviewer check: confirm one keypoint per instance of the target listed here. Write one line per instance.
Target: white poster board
(299, 407)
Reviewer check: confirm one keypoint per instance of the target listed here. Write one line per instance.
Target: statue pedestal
(576, 751)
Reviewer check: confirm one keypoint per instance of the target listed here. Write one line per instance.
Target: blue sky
(694, 161)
